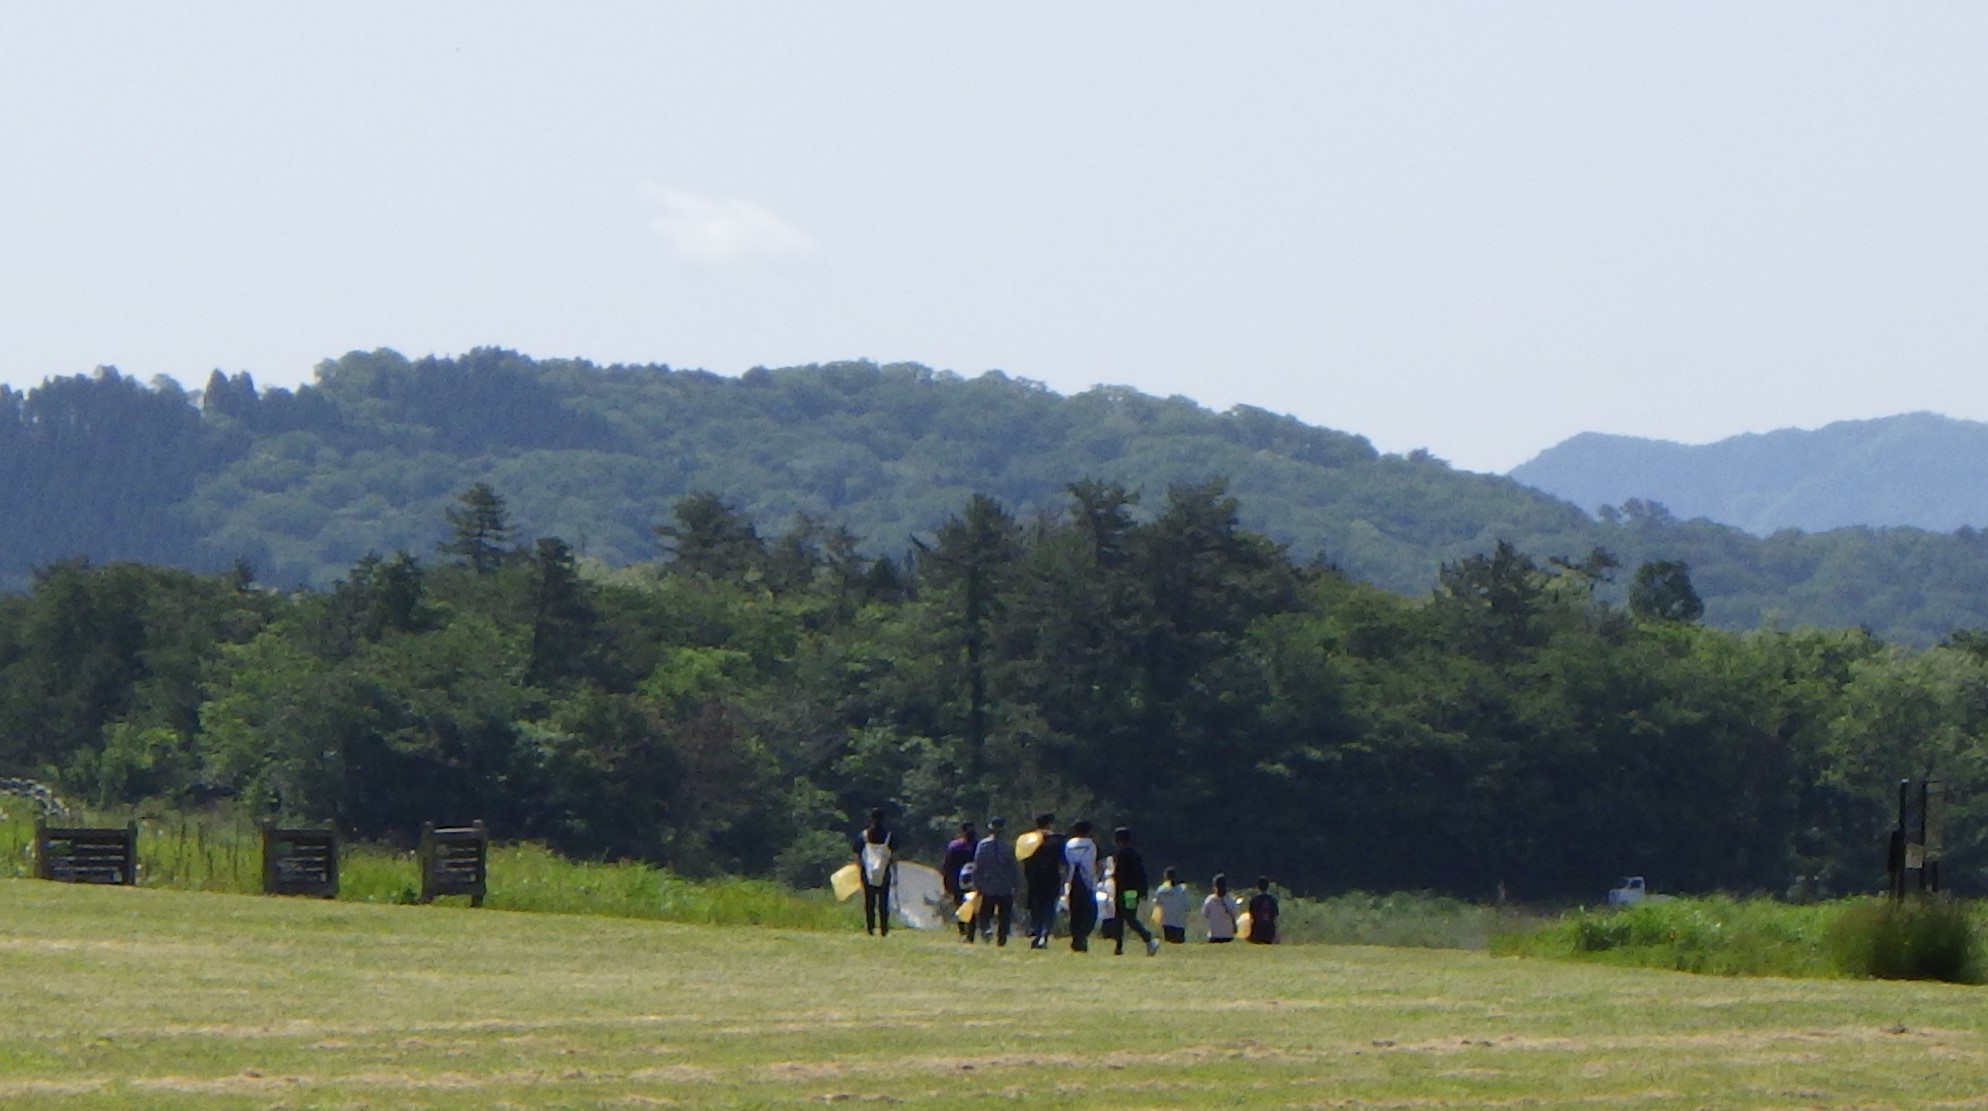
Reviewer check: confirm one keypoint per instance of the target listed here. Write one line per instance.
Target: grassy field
(151, 998)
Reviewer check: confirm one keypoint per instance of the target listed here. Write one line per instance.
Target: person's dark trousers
(999, 909)
(1175, 935)
(876, 907)
(1042, 917)
(1128, 919)
(1083, 919)
(966, 927)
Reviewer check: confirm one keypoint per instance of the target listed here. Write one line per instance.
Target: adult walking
(876, 860)
(1042, 873)
(1080, 856)
(959, 854)
(1129, 873)
(995, 877)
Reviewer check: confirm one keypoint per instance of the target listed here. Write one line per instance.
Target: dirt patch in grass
(23, 1089)
(1809, 1043)
(333, 1033)
(219, 1085)
(108, 945)
(256, 1083)
(676, 1074)
(946, 1064)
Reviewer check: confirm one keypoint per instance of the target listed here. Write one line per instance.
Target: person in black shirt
(959, 854)
(1042, 873)
(1130, 871)
(876, 859)
(1263, 914)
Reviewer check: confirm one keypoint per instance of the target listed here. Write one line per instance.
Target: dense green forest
(300, 484)
(1133, 656)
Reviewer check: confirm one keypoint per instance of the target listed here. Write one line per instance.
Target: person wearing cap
(995, 877)
(1129, 870)
(1042, 872)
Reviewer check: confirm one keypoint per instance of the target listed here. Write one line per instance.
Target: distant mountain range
(299, 485)
(1921, 470)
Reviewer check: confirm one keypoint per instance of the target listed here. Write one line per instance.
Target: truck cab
(1629, 894)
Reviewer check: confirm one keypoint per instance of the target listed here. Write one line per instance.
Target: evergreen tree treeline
(1128, 657)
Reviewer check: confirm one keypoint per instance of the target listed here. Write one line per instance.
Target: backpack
(966, 877)
(876, 863)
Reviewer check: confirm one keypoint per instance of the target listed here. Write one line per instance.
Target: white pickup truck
(1629, 894)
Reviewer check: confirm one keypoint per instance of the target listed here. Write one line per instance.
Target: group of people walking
(1101, 891)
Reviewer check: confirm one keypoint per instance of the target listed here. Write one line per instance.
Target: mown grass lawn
(154, 998)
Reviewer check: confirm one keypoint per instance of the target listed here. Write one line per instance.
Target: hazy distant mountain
(1918, 469)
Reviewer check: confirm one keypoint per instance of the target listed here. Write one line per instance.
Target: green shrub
(1403, 919)
(1920, 939)
(1754, 937)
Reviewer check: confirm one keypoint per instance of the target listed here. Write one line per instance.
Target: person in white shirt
(1080, 853)
(1170, 899)
(1220, 911)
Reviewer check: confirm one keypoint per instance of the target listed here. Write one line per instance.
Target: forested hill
(1918, 469)
(299, 485)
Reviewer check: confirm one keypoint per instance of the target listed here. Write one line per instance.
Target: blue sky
(1477, 229)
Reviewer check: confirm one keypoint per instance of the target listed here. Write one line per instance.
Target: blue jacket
(994, 868)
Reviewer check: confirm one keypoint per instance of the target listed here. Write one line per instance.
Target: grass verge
(218, 853)
(1933, 940)
(1754, 937)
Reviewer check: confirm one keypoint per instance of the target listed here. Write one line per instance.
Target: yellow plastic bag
(1154, 916)
(1242, 924)
(846, 881)
(1027, 844)
(969, 908)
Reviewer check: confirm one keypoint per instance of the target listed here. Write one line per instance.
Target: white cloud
(723, 229)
